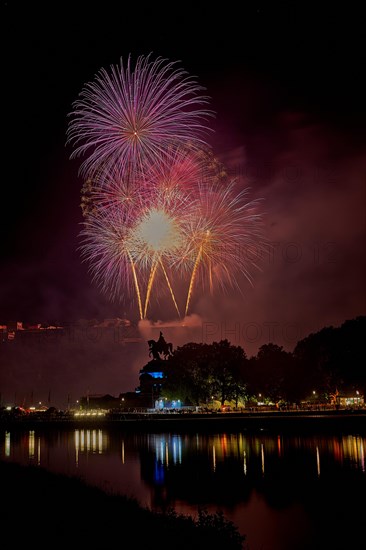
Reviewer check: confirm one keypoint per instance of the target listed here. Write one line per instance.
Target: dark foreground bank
(42, 509)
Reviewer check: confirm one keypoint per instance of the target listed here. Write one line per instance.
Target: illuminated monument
(151, 379)
(153, 374)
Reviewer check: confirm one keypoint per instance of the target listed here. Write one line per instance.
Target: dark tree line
(329, 361)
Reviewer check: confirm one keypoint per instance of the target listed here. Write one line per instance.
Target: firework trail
(170, 287)
(150, 284)
(193, 278)
(131, 117)
(137, 286)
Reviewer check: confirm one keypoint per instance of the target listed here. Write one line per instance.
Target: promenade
(263, 421)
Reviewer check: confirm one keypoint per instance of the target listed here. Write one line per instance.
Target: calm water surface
(283, 492)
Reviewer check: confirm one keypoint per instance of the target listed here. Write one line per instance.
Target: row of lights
(94, 413)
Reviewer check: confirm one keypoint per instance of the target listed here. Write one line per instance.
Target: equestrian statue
(159, 349)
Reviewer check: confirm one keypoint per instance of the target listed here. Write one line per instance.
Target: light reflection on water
(275, 480)
(173, 449)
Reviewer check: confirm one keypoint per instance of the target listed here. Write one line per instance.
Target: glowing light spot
(159, 232)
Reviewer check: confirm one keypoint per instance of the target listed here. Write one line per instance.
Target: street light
(358, 398)
(314, 398)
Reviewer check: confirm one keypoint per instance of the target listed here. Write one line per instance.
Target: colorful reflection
(168, 448)
(255, 454)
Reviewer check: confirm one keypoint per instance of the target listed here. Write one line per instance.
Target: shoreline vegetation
(71, 511)
(312, 420)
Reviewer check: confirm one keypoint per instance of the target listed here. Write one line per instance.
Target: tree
(227, 371)
(198, 371)
(271, 373)
(334, 358)
(188, 374)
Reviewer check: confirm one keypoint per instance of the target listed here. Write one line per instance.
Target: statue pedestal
(152, 377)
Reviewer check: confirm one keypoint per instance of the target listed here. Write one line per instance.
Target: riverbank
(62, 510)
(291, 421)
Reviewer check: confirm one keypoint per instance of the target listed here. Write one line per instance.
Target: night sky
(288, 89)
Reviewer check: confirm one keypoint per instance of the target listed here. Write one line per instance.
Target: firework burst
(105, 248)
(222, 238)
(110, 189)
(156, 202)
(180, 170)
(130, 247)
(131, 117)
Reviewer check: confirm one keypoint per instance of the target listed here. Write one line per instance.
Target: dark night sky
(287, 85)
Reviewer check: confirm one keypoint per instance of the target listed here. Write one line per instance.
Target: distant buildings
(122, 330)
(10, 331)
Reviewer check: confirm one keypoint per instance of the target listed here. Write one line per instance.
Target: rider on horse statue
(160, 347)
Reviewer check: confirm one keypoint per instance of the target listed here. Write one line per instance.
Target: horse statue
(160, 347)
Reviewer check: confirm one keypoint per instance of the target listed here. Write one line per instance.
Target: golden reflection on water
(91, 440)
(262, 458)
(353, 450)
(7, 443)
(362, 456)
(31, 444)
(317, 461)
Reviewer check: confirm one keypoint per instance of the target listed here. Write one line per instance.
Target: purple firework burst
(134, 116)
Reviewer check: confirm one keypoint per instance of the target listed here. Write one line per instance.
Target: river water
(284, 492)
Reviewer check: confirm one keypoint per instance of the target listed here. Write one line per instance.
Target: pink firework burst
(104, 247)
(224, 238)
(112, 188)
